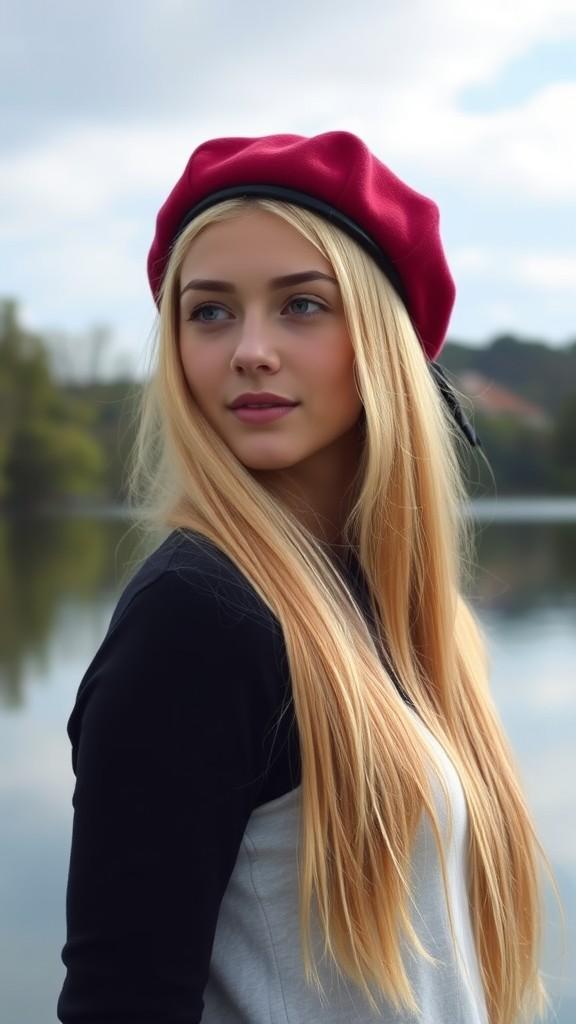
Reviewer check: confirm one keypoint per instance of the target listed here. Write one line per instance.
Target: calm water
(59, 580)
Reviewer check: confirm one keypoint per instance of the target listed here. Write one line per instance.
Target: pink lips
(260, 398)
(262, 415)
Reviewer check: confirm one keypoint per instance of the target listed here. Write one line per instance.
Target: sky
(102, 103)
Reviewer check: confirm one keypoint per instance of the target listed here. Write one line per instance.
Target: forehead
(253, 239)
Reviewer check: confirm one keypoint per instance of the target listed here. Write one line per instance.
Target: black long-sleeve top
(177, 735)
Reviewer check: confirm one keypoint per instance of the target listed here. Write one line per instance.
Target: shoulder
(189, 635)
(176, 737)
(191, 573)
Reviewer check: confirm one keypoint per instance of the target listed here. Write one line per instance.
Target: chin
(264, 461)
(267, 464)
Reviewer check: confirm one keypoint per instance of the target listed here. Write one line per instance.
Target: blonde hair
(364, 761)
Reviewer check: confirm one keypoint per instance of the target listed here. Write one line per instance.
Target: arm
(169, 758)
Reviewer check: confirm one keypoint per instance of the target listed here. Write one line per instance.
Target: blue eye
(304, 301)
(209, 307)
(208, 313)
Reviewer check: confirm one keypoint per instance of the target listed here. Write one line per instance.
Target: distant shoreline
(518, 509)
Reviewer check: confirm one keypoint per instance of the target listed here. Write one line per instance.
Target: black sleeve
(168, 752)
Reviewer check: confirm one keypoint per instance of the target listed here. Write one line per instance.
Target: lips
(258, 399)
(262, 414)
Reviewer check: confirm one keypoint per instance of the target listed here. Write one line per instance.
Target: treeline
(525, 458)
(57, 440)
(62, 440)
(532, 369)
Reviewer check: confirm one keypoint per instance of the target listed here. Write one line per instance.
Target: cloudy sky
(473, 104)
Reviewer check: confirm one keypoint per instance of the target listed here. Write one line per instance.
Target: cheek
(339, 367)
(343, 384)
(328, 356)
(199, 369)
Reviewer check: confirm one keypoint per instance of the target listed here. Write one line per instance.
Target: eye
(208, 312)
(300, 301)
(208, 308)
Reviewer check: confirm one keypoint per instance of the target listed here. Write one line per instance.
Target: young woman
(294, 800)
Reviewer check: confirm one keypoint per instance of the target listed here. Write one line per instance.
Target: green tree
(46, 445)
(52, 460)
(519, 456)
(563, 445)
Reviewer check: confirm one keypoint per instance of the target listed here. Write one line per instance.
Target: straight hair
(365, 764)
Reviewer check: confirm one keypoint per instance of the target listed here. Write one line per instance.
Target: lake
(59, 581)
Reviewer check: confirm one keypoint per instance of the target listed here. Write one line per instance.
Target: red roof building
(492, 399)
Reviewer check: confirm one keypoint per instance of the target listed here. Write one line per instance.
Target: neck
(320, 490)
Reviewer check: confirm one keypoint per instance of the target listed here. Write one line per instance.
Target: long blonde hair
(364, 762)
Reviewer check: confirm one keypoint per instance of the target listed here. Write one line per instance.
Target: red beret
(337, 176)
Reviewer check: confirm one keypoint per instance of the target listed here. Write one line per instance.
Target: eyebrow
(206, 285)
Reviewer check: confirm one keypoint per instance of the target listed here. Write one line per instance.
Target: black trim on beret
(309, 202)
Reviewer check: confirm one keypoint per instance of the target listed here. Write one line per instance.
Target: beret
(337, 176)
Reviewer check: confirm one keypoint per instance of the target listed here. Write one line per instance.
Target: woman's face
(242, 330)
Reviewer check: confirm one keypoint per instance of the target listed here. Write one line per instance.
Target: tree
(48, 460)
(46, 447)
(563, 444)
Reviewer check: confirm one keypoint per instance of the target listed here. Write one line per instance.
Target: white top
(256, 971)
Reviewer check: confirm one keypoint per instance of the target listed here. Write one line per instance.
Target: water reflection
(59, 580)
(42, 565)
(525, 566)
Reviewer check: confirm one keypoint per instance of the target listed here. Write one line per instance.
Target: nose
(255, 345)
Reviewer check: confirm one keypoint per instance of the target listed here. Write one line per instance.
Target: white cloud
(548, 270)
(83, 174)
(543, 270)
(395, 78)
(78, 196)
(531, 150)
(470, 259)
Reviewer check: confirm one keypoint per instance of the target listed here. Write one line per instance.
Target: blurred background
(102, 104)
